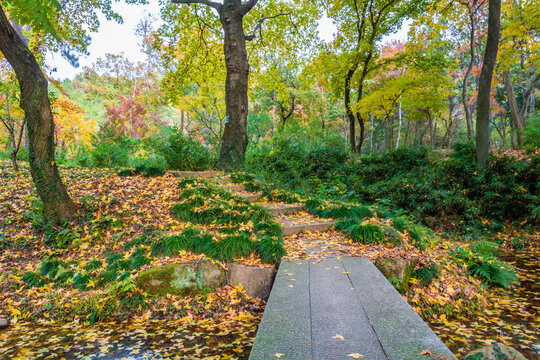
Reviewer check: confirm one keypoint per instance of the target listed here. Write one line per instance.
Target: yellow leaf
(278, 355)
(355, 355)
(337, 336)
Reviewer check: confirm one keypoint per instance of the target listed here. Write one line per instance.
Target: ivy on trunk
(57, 205)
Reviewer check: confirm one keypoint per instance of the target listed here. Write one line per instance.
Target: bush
(298, 162)
(113, 153)
(181, 152)
(452, 192)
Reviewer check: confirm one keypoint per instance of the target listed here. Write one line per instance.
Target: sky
(116, 38)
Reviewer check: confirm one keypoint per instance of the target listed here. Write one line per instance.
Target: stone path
(333, 307)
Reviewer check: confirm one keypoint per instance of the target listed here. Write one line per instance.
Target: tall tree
(486, 76)
(361, 25)
(232, 15)
(35, 102)
(519, 60)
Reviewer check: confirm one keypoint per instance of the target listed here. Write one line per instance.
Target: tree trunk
(399, 126)
(519, 116)
(517, 121)
(234, 141)
(57, 205)
(484, 86)
(464, 95)
(348, 110)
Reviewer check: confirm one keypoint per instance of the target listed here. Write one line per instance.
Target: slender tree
(57, 204)
(486, 76)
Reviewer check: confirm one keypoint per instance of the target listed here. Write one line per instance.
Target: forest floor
(116, 211)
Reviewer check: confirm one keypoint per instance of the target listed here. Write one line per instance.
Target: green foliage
(50, 267)
(300, 162)
(484, 248)
(367, 233)
(80, 281)
(494, 272)
(532, 130)
(481, 262)
(181, 152)
(234, 246)
(146, 171)
(112, 153)
(452, 192)
(33, 279)
(426, 274)
(201, 203)
(270, 249)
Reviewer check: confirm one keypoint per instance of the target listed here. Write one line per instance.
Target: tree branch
(261, 22)
(213, 4)
(248, 5)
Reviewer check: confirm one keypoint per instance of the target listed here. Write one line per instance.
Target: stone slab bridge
(340, 308)
(331, 309)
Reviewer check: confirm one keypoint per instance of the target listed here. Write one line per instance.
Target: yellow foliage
(71, 129)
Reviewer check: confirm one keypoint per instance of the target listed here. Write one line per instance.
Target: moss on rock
(181, 278)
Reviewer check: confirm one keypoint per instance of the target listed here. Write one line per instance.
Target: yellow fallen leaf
(355, 355)
(278, 355)
(337, 336)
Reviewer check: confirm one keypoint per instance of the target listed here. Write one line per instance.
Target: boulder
(4, 323)
(495, 352)
(397, 271)
(182, 278)
(256, 281)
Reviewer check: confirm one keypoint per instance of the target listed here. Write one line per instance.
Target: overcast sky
(116, 38)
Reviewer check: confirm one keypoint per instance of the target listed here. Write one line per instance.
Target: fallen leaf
(355, 355)
(278, 355)
(337, 336)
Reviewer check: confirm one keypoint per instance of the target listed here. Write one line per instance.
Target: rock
(4, 323)
(256, 281)
(398, 271)
(182, 278)
(495, 352)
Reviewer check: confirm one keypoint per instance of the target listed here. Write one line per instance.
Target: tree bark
(518, 115)
(350, 114)
(484, 86)
(464, 95)
(235, 140)
(57, 205)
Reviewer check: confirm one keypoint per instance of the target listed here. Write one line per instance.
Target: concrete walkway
(340, 309)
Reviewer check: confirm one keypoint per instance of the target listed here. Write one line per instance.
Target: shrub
(180, 152)
(367, 233)
(113, 153)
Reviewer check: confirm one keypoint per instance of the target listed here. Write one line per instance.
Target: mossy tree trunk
(484, 86)
(57, 204)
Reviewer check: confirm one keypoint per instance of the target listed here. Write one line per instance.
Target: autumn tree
(519, 61)
(63, 27)
(240, 22)
(486, 76)
(361, 26)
